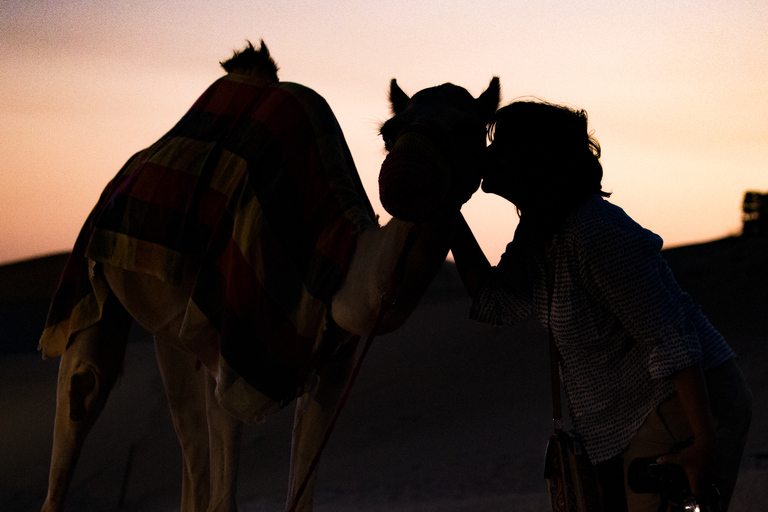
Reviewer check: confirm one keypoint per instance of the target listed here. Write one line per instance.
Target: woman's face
(506, 174)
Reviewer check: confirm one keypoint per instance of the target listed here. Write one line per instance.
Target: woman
(645, 373)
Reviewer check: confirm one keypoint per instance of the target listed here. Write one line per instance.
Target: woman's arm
(501, 295)
(471, 262)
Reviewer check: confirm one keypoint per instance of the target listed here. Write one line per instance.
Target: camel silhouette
(244, 242)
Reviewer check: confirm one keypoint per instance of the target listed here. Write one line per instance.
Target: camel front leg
(224, 434)
(87, 372)
(313, 414)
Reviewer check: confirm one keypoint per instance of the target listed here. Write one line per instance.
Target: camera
(645, 475)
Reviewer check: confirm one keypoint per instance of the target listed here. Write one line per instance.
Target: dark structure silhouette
(755, 214)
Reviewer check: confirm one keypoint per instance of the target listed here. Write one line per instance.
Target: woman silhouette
(645, 373)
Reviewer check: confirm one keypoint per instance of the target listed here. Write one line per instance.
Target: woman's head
(542, 153)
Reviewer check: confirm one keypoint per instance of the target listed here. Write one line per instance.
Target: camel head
(435, 142)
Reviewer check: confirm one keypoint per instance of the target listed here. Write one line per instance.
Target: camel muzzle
(415, 178)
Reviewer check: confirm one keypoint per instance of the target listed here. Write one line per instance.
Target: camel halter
(388, 300)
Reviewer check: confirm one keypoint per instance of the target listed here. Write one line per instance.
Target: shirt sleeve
(622, 266)
(507, 296)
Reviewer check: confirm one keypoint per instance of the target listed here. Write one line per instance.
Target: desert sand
(447, 414)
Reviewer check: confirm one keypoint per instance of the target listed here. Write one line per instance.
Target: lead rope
(387, 301)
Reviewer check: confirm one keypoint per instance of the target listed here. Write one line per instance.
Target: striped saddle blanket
(254, 193)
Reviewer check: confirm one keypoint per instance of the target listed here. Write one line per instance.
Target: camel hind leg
(185, 390)
(87, 372)
(209, 436)
(224, 439)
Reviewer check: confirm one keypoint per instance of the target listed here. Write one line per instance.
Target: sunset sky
(676, 92)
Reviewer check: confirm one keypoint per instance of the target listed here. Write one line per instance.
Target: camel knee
(87, 393)
(81, 387)
(85, 381)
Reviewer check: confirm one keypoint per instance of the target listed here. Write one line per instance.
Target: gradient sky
(675, 92)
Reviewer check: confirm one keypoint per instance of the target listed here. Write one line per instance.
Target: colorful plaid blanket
(254, 192)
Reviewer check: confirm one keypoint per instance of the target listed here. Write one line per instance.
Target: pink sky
(675, 92)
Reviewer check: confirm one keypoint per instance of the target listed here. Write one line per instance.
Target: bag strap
(557, 410)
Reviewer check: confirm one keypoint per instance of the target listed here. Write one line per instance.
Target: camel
(255, 164)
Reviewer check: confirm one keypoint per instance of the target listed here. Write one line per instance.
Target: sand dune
(447, 414)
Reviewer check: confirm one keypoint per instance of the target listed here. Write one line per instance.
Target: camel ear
(397, 98)
(488, 102)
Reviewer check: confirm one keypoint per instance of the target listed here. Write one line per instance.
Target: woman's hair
(552, 138)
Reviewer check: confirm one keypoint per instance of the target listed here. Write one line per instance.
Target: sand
(447, 415)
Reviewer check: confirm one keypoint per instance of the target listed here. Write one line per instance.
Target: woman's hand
(697, 461)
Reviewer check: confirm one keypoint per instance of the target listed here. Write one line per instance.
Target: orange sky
(675, 92)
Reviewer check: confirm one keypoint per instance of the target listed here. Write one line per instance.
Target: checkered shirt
(622, 324)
